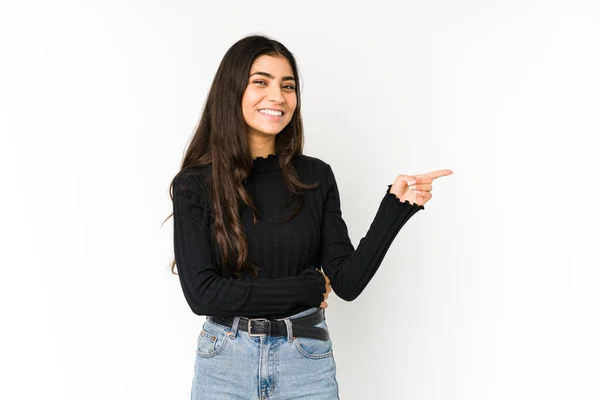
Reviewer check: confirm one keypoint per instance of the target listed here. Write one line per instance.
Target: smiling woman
(255, 221)
(269, 101)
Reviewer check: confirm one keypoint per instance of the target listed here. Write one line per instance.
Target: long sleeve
(348, 269)
(209, 293)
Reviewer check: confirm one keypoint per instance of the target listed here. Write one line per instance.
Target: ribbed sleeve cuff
(393, 200)
(391, 216)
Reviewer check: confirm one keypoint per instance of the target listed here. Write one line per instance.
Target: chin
(269, 131)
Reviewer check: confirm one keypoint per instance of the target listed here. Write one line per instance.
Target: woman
(254, 221)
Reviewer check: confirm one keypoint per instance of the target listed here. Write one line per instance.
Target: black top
(289, 253)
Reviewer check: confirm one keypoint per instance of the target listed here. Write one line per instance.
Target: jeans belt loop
(290, 331)
(234, 327)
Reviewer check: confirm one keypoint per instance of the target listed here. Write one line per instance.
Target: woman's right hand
(327, 290)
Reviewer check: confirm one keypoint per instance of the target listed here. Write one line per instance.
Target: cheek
(248, 105)
(292, 103)
(251, 97)
(247, 101)
(291, 113)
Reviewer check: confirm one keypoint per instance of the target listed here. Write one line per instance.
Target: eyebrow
(285, 78)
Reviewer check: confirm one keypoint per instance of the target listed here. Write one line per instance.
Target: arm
(348, 269)
(208, 293)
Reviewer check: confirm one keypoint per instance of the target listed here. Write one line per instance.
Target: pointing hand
(416, 188)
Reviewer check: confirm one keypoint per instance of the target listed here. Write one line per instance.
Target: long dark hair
(220, 139)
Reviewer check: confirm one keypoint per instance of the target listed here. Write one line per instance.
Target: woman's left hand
(416, 188)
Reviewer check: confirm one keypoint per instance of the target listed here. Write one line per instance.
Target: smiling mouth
(271, 113)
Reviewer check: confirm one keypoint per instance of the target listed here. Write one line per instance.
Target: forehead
(275, 65)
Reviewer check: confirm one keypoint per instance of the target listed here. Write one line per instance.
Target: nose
(275, 95)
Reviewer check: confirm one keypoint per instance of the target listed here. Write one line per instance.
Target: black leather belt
(301, 326)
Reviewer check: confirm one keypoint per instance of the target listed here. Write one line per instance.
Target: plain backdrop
(489, 293)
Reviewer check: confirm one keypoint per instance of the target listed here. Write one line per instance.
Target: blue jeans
(232, 365)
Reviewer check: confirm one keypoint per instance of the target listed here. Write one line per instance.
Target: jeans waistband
(301, 324)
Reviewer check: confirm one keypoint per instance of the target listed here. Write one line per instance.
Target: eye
(287, 87)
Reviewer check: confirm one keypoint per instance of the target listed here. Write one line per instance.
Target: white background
(489, 293)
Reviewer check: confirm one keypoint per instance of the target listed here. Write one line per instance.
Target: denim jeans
(230, 364)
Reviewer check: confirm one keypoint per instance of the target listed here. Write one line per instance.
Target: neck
(261, 146)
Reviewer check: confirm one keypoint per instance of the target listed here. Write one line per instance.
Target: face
(270, 91)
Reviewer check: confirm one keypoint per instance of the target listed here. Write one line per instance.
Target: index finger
(435, 174)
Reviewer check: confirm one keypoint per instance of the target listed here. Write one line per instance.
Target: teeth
(270, 112)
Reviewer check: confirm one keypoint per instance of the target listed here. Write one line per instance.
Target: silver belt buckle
(250, 327)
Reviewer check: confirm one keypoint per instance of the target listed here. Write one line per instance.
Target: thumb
(404, 179)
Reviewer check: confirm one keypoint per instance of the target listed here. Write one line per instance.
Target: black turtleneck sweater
(287, 254)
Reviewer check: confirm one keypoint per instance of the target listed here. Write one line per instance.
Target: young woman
(255, 220)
